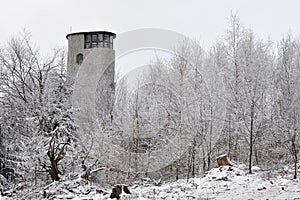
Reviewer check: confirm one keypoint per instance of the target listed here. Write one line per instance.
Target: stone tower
(91, 67)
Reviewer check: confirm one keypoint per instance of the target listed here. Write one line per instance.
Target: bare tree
(287, 101)
(233, 81)
(255, 67)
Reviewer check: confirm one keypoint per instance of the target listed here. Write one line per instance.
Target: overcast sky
(50, 20)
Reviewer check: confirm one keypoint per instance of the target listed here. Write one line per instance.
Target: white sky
(50, 20)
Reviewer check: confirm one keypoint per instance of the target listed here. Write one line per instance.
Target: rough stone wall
(75, 47)
(93, 85)
(105, 96)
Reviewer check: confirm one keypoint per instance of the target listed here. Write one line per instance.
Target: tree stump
(117, 190)
(223, 160)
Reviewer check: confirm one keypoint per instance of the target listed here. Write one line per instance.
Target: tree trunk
(54, 171)
(229, 138)
(223, 160)
(251, 140)
(177, 169)
(210, 138)
(189, 164)
(180, 146)
(294, 158)
(193, 158)
(256, 155)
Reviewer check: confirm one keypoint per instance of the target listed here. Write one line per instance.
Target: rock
(262, 188)
(99, 191)
(225, 178)
(255, 169)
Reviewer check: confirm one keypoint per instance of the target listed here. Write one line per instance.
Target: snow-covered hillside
(223, 183)
(219, 183)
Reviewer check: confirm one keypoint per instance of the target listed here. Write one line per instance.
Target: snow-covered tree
(37, 117)
(255, 67)
(287, 84)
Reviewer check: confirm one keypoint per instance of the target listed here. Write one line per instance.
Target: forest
(241, 98)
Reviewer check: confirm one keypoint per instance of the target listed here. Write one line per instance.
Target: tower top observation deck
(95, 39)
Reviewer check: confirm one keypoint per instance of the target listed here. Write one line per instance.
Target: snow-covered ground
(223, 183)
(219, 183)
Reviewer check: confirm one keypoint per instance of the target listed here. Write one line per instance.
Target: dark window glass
(98, 40)
(106, 38)
(79, 59)
(100, 36)
(106, 44)
(88, 38)
(88, 45)
(95, 38)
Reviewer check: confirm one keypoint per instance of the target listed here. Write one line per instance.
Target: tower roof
(101, 32)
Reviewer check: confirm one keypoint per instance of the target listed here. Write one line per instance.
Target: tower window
(94, 40)
(79, 59)
(100, 40)
(88, 41)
